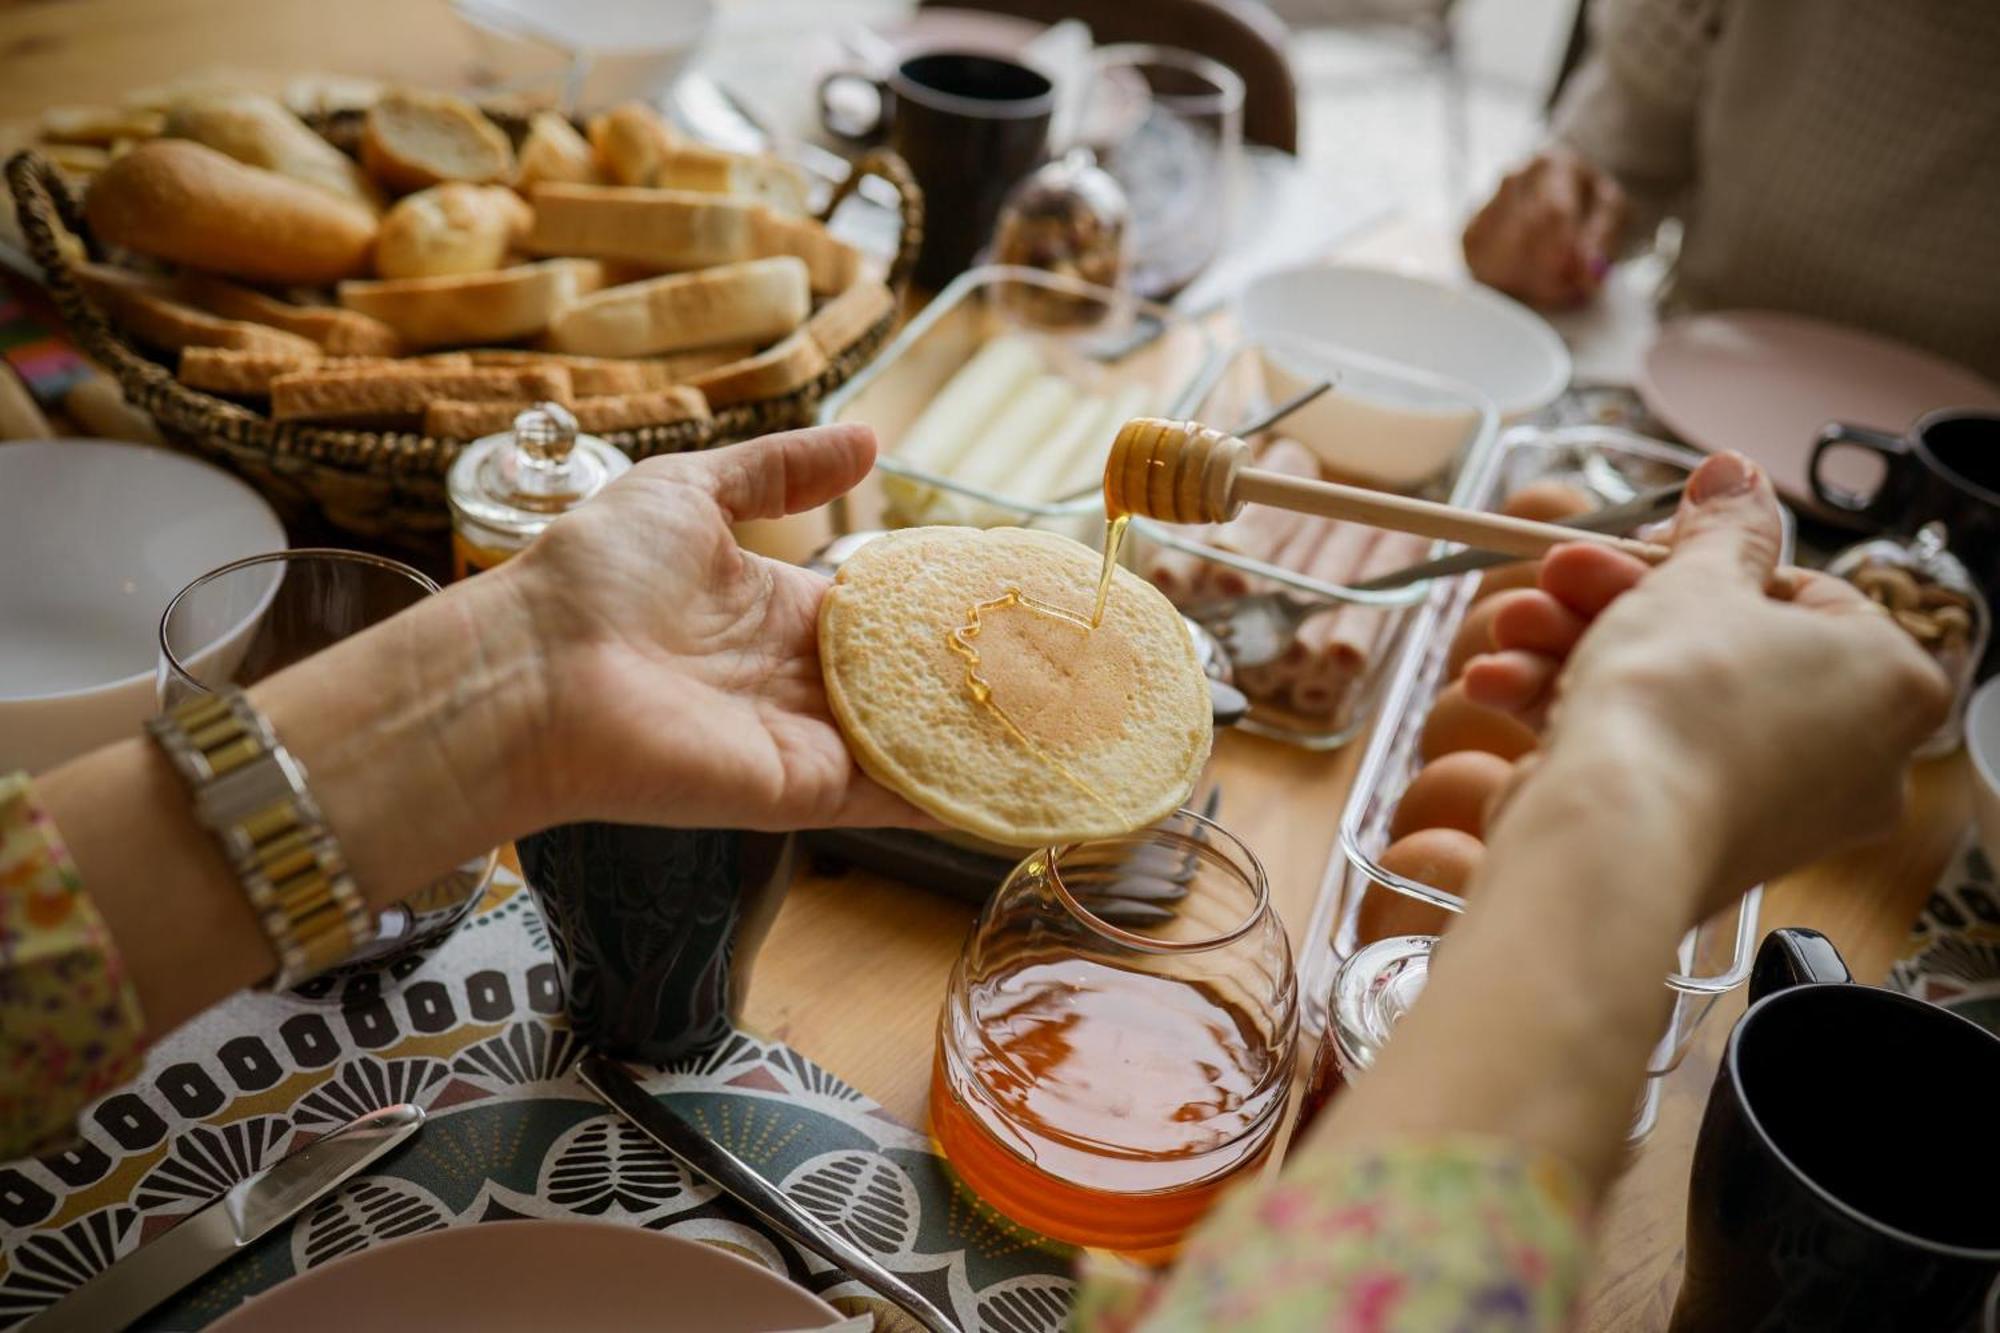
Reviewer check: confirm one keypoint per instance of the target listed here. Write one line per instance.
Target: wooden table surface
(1283, 802)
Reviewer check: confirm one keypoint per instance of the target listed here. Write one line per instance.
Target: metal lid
(1372, 991)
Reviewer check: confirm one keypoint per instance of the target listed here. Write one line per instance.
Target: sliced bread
(466, 309)
(753, 302)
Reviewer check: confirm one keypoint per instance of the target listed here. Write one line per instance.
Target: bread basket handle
(885, 165)
(42, 204)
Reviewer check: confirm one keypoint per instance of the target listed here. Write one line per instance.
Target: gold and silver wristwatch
(251, 794)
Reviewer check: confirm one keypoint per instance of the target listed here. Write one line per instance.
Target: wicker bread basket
(385, 486)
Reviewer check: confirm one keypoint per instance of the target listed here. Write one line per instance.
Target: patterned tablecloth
(474, 1032)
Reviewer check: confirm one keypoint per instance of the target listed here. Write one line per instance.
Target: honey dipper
(1185, 472)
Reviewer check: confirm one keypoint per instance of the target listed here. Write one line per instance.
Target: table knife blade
(119, 1295)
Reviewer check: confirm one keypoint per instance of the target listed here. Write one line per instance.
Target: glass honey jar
(504, 489)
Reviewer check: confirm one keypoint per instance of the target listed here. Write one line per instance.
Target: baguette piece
(836, 325)
(413, 140)
(100, 125)
(631, 140)
(777, 370)
(451, 228)
(337, 332)
(752, 302)
(662, 229)
(832, 264)
(259, 132)
(249, 374)
(760, 177)
(398, 394)
(147, 308)
(186, 202)
(656, 372)
(454, 420)
(472, 308)
(554, 151)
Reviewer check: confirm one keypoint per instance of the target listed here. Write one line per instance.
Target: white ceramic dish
(1982, 742)
(1464, 333)
(95, 539)
(591, 54)
(530, 1276)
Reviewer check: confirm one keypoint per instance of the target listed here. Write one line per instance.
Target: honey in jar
(504, 489)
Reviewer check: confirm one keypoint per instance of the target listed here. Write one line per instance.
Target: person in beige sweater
(1837, 158)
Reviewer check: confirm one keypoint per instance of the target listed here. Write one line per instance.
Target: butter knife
(119, 1295)
(733, 1176)
(1647, 507)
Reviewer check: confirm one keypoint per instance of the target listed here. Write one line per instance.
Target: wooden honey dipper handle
(1185, 472)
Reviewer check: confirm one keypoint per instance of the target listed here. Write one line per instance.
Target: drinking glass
(1176, 156)
(253, 618)
(1116, 1042)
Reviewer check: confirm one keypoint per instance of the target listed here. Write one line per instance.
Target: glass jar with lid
(504, 489)
(1373, 989)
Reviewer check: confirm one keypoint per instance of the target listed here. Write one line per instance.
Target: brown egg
(1444, 859)
(1451, 792)
(1456, 723)
(1546, 501)
(1474, 636)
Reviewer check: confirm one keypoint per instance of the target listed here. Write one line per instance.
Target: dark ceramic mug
(970, 126)
(1944, 469)
(1847, 1175)
(655, 929)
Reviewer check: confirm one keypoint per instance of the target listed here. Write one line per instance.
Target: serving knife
(729, 1173)
(119, 1295)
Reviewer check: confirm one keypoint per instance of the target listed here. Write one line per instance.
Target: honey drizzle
(960, 640)
(1114, 537)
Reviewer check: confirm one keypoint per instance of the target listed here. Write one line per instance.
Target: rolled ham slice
(1338, 644)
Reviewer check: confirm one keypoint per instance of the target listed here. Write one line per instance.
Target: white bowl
(1982, 742)
(95, 539)
(590, 54)
(1466, 333)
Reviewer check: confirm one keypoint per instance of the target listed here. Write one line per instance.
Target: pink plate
(1763, 383)
(533, 1276)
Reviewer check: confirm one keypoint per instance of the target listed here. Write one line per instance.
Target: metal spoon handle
(734, 1177)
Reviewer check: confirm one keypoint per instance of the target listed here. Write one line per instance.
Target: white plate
(532, 1277)
(1464, 333)
(95, 539)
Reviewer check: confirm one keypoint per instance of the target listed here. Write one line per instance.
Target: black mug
(1847, 1175)
(654, 929)
(969, 126)
(1945, 469)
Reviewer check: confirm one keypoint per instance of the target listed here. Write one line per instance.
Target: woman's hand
(1784, 728)
(1548, 233)
(680, 677)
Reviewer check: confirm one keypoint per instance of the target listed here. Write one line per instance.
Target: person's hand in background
(1784, 727)
(1549, 232)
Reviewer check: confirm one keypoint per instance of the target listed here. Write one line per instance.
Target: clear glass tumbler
(1116, 1043)
(254, 617)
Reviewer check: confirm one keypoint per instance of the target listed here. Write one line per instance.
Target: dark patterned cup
(655, 929)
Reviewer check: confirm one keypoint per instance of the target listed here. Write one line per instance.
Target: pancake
(1117, 719)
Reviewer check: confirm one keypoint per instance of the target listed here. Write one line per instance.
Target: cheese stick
(941, 433)
(1020, 429)
(1084, 469)
(1035, 479)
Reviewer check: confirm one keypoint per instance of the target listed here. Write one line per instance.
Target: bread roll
(258, 132)
(100, 125)
(450, 419)
(752, 302)
(398, 393)
(554, 151)
(182, 201)
(337, 332)
(466, 309)
(147, 309)
(661, 229)
(631, 141)
(451, 228)
(788, 365)
(759, 177)
(413, 140)
(832, 264)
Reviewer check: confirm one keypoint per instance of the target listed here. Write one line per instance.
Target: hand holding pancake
(678, 675)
